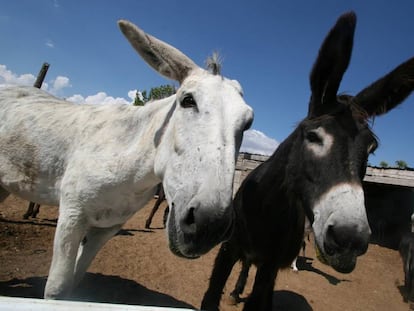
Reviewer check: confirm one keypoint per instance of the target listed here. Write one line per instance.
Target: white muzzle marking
(342, 205)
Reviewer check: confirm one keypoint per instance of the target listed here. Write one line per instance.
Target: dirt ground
(136, 267)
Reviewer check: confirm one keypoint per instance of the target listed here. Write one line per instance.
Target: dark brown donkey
(317, 171)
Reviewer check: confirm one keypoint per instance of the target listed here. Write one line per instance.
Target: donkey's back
(29, 150)
(41, 135)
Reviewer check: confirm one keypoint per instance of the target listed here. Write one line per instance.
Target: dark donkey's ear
(389, 91)
(333, 59)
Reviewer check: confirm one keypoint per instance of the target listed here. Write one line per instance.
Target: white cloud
(257, 142)
(77, 99)
(49, 43)
(59, 84)
(9, 78)
(97, 99)
(132, 94)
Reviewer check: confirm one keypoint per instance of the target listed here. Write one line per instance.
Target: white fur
(101, 164)
(323, 148)
(342, 204)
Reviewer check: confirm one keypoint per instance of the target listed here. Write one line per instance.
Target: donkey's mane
(358, 112)
(214, 62)
(348, 102)
(345, 102)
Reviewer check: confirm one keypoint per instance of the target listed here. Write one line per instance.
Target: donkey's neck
(150, 123)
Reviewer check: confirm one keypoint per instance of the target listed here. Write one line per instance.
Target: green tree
(139, 99)
(155, 93)
(401, 164)
(160, 92)
(383, 164)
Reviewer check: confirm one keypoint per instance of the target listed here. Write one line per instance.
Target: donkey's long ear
(164, 58)
(389, 91)
(329, 68)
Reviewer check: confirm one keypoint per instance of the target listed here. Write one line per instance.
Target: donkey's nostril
(331, 244)
(190, 218)
(188, 222)
(335, 235)
(340, 239)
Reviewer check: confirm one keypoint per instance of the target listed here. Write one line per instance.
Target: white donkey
(102, 163)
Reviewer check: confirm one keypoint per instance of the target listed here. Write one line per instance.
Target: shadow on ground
(96, 287)
(284, 300)
(305, 263)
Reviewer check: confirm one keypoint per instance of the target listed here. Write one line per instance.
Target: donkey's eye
(313, 137)
(188, 102)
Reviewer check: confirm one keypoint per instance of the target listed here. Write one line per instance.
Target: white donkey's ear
(164, 58)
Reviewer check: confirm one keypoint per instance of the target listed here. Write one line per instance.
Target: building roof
(390, 176)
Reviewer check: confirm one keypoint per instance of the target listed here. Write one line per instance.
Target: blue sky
(268, 46)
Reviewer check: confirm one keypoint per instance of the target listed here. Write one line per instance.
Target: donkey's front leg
(241, 281)
(70, 230)
(227, 256)
(261, 298)
(94, 239)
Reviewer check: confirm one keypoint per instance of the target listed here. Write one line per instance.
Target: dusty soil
(136, 267)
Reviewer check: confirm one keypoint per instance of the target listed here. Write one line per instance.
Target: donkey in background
(102, 163)
(160, 198)
(32, 210)
(316, 172)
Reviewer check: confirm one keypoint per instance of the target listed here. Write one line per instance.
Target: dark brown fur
(273, 200)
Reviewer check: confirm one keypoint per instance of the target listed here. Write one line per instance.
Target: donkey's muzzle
(339, 239)
(342, 246)
(198, 229)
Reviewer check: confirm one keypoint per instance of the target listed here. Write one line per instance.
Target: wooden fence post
(33, 207)
(41, 75)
